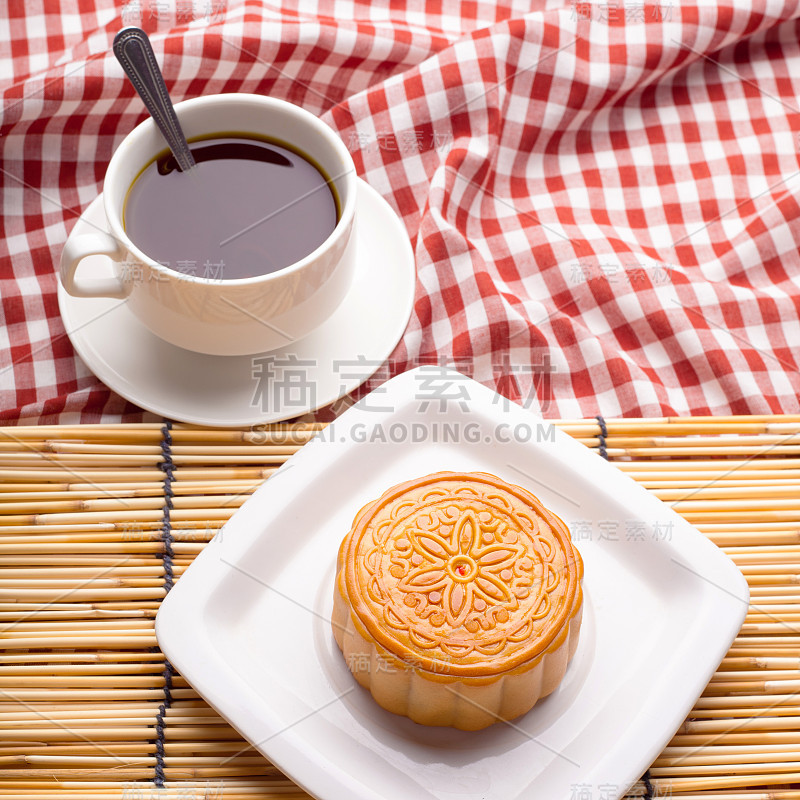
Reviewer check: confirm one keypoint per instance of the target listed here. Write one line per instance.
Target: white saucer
(245, 390)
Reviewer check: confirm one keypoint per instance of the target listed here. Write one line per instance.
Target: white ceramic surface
(223, 317)
(248, 623)
(247, 390)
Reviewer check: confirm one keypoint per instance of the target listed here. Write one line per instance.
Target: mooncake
(458, 599)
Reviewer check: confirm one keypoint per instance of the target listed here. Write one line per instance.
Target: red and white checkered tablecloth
(602, 197)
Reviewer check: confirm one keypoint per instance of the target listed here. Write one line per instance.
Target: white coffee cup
(203, 313)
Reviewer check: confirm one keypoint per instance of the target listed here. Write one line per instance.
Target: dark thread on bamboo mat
(167, 466)
(602, 437)
(161, 725)
(648, 787)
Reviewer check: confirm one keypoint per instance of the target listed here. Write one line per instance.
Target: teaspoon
(134, 52)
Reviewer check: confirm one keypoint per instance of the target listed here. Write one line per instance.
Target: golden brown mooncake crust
(460, 577)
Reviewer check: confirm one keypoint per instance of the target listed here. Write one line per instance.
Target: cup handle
(90, 244)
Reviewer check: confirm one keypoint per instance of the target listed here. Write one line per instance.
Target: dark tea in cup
(250, 207)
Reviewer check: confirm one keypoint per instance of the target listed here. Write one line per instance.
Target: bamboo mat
(88, 711)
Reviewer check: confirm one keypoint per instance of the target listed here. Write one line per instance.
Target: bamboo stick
(770, 687)
(748, 527)
(125, 642)
(106, 461)
(66, 584)
(60, 658)
(96, 526)
(725, 539)
(20, 683)
(176, 713)
(752, 553)
(728, 726)
(755, 516)
(59, 474)
(81, 669)
(133, 534)
(724, 675)
(91, 695)
(715, 750)
(734, 663)
(726, 505)
(140, 760)
(743, 478)
(132, 773)
(739, 650)
(37, 509)
(98, 560)
(179, 706)
(81, 572)
(276, 782)
(181, 431)
(777, 591)
(219, 749)
(57, 628)
(46, 611)
(712, 467)
(12, 492)
(668, 787)
(741, 768)
(147, 453)
(129, 516)
(633, 423)
(669, 765)
(720, 496)
(118, 547)
(744, 712)
(62, 733)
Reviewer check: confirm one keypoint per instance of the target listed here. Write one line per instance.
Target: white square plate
(248, 623)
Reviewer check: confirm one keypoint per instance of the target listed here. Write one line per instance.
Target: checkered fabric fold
(602, 198)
